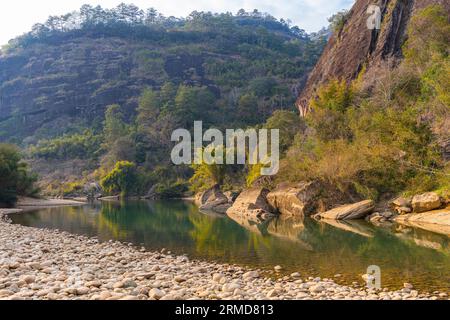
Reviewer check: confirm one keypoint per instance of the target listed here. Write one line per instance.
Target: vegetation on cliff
(160, 73)
(385, 138)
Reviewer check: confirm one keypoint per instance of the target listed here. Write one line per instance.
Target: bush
(121, 179)
(15, 178)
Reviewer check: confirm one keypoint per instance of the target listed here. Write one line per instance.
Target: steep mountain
(354, 47)
(60, 77)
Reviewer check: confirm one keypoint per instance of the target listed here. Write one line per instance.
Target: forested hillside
(90, 88)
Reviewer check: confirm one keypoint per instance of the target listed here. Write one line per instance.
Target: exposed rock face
(231, 195)
(212, 194)
(426, 202)
(435, 221)
(252, 203)
(356, 47)
(348, 212)
(300, 200)
(212, 200)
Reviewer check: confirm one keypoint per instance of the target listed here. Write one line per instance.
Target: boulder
(252, 203)
(213, 200)
(299, 200)
(351, 211)
(401, 205)
(426, 202)
(210, 195)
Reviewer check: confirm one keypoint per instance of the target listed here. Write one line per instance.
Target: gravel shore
(54, 265)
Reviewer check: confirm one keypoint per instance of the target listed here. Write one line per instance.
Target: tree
(14, 176)
(247, 106)
(148, 110)
(114, 125)
(328, 116)
(122, 178)
(193, 103)
(338, 20)
(289, 124)
(167, 94)
(151, 16)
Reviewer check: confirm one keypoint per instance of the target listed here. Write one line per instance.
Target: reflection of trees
(216, 236)
(302, 245)
(154, 223)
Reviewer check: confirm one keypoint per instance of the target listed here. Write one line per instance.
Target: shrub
(121, 179)
(15, 178)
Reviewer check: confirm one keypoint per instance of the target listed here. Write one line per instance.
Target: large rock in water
(426, 202)
(212, 200)
(252, 203)
(357, 210)
(300, 200)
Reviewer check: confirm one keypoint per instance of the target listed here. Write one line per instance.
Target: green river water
(305, 246)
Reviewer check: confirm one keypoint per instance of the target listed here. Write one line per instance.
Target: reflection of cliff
(252, 224)
(424, 239)
(289, 228)
(357, 227)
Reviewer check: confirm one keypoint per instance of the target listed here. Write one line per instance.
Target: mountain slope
(60, 77)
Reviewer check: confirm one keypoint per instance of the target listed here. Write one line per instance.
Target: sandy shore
(25, 203)
(53, 265)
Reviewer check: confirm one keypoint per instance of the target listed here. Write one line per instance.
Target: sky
(17, 16)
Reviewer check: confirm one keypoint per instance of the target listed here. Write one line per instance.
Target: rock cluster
(417, 204)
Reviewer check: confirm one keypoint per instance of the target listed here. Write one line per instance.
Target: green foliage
(289, 124)
(171, 190)
(338, 20)
(226, 70)
(82, 146)
(247, 106)
(207, 175)
(114, 125)
(121, 179)
(328, 115)
(15, 178)
(428, 36)
(193, 103)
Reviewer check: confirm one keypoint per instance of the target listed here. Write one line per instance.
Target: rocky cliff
(355, 47)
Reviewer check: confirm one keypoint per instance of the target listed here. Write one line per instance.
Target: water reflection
(306, 246)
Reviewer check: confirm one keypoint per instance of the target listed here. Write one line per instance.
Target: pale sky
(17, 16)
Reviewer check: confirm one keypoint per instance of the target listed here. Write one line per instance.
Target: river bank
(50, 264)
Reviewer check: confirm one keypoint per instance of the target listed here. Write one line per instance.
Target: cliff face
(355, 47)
